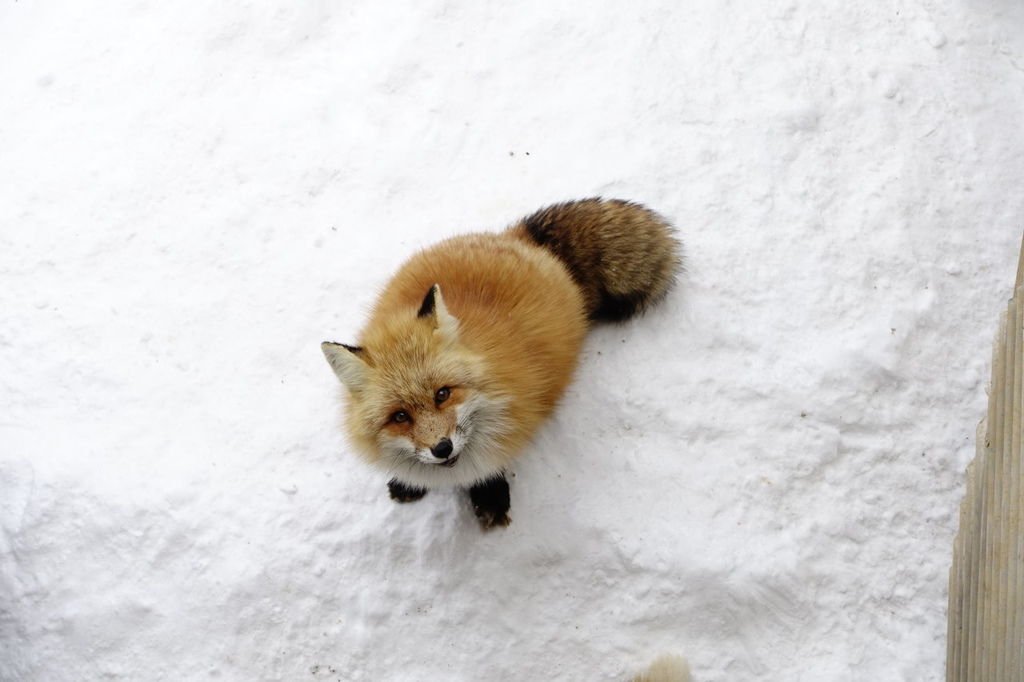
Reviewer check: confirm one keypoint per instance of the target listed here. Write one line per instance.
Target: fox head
(418, 400)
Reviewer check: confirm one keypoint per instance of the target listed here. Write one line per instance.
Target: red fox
(473, 341)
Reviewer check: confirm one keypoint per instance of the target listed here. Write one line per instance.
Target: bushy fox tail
(666, 669)
(623, 256)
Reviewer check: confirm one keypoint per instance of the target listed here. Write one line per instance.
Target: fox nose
(442, 449)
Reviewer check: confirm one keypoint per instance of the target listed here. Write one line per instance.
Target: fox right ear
(346, 363)
(433, 308)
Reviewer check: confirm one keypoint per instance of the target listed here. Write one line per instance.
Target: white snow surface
(763, 474)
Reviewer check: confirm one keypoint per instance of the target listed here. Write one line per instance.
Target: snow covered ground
(763, 474)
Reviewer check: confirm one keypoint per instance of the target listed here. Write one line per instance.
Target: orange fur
(502, 330)
(517, 308)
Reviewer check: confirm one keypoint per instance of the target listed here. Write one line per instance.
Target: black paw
(491, 502)
(404, 493)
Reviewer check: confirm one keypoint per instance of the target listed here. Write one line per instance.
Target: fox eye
(442, 395)
(400, 417)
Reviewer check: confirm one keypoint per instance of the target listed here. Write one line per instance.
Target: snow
(763, 474)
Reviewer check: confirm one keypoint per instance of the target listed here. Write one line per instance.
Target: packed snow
(762, 474)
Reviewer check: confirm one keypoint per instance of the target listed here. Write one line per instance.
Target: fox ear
(346, 363)
(444, 322)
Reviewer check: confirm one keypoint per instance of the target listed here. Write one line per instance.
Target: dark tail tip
(623, 256)
(613, 308)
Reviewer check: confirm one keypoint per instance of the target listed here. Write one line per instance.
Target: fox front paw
(404, 493)
(490, 518)
(491, 503)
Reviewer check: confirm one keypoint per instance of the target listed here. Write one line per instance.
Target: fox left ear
(433, 308)
(346, 363)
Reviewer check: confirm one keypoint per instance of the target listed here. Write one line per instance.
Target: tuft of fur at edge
(622, 255)
(666, 669)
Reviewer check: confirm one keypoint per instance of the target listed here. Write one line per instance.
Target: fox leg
(491, 502)
(401, 492)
